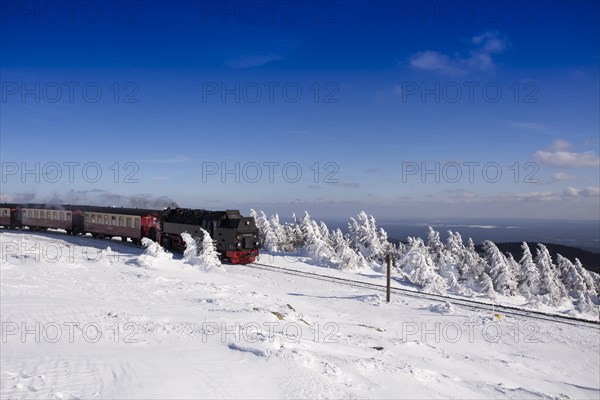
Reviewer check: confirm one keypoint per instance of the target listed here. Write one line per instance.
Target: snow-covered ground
(82, 321)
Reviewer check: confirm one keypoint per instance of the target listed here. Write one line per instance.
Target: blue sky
(359, 97)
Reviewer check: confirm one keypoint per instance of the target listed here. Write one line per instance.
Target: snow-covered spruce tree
(499, 270)
(473, 266)
(365, 238)
(200, 251)
(514, 269)
(449, 261)
(208, 253)
(576, 285)
(338, 240)
(400, 250)
(590, 286)
(596, 277)
(436, 248)
(317, 248)
(347, 258)
(552, 291)
(487, 286)
(303, 228)
(294, 235)
(570, 278)
(279, 233)
(261, 234)
(190, 254)
(454, 252)
(529, 275)
(270, 243)
(418, 267)
(324, 230)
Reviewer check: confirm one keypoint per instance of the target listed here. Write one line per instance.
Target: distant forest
(590, 260)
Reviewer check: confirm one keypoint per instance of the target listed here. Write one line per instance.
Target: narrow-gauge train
(235, 236)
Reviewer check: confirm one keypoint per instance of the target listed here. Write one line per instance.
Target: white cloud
(478, 59)
(571, 192)
(492, 42)
(562, 176)
(563, 158)
(253, 61)
(559, 155)
(434, 61)
(589, 191)
(560, 144)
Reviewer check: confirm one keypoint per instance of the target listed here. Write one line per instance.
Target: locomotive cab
(237, 236)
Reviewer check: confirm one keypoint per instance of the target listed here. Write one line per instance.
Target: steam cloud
(95, 197)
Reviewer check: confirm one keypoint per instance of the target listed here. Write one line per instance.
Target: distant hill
(590, 260)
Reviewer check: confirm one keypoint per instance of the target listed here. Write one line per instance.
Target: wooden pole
(388, 258)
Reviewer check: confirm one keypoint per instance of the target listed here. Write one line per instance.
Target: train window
(93, 218)
(137, 223)
(121, 221)
(48, 214)
(129, 222)
(68, 215)
(24, 213)
(113, 220)
(106, 220)
(55, 215)
(35, 214)
(62, 216)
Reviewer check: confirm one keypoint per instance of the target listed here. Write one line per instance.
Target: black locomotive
(235, 236)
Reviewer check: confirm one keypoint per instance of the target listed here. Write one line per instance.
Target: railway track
(472, 305)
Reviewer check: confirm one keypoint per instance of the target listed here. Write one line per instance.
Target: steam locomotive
(235, 236)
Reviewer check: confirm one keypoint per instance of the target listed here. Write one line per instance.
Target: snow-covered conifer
(418, 266)
(208, 253)
(436, 248)
(529, 275)
(551, 288)
(499, 270)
